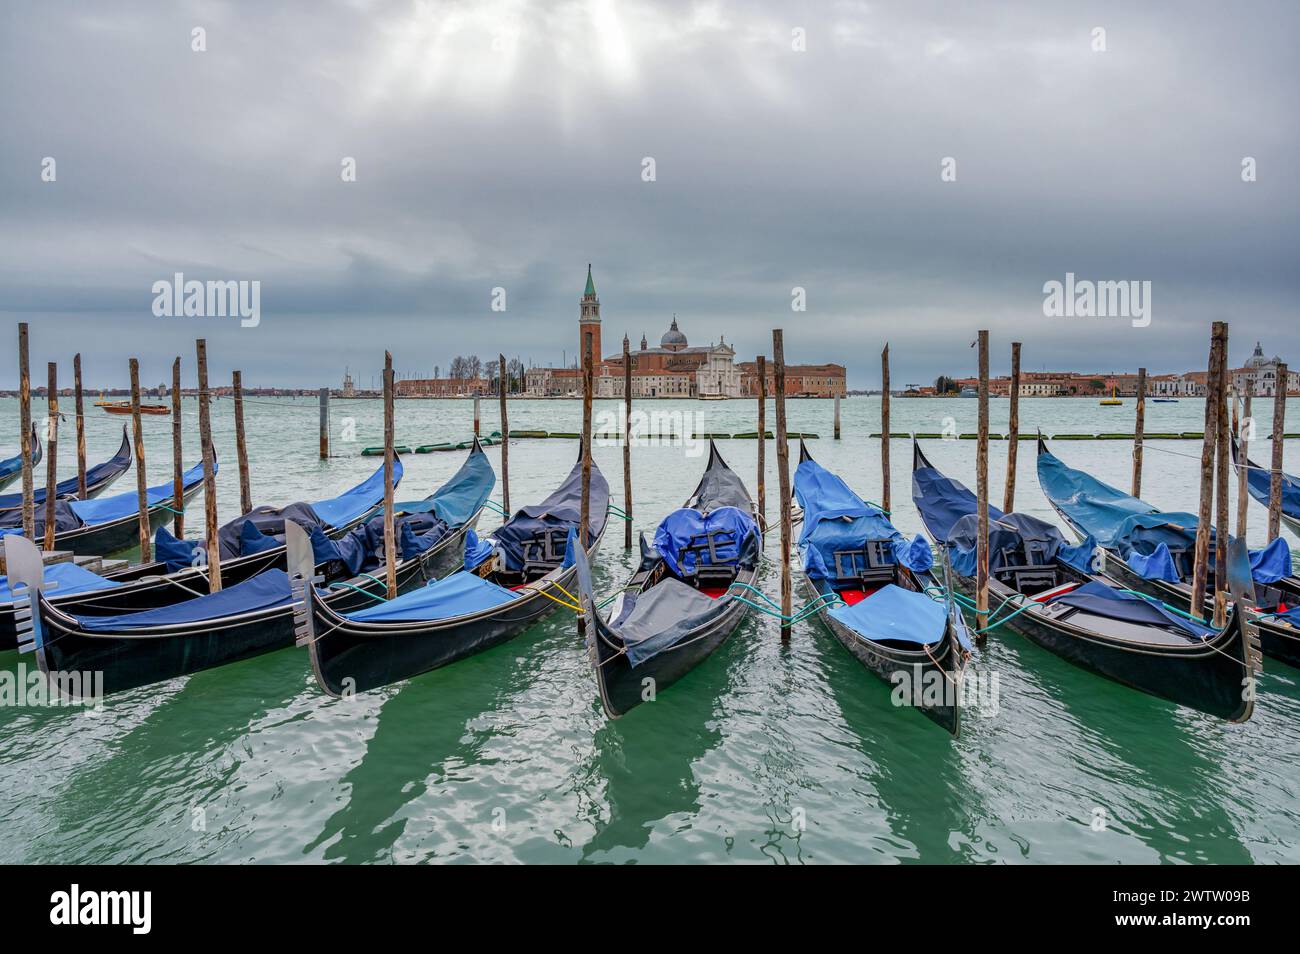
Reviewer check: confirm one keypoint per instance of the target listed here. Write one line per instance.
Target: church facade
(675, 369)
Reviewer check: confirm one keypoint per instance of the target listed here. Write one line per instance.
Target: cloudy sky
(501, 144)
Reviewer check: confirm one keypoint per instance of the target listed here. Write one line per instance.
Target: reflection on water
(764, 754)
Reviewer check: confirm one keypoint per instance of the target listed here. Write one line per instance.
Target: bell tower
(589, 321)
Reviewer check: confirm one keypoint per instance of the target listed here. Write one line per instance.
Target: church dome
(673, 338)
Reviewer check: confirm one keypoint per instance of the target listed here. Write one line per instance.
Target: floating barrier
(379, 451)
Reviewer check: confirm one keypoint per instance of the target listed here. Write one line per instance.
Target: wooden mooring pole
(1013, 431)
(209, 471)
(885, 493)
(762, 441)
(837, 416)
(1279, 429)
(783, 480)
(505, 439)
(476, 417)
(1222, 520)
(627, 444)
(80, 425)
(584, 517)
(51, 450)
(325, 423)
(25, 422)
(390, 528)
(1205, 513)
(982, 491)
(178, 463)
(241, 445)
(141, 481)
(1241, 426)
(1139, 428)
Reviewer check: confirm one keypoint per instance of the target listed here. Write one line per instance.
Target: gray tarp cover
(654, 620)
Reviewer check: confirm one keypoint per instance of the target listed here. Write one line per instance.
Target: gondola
(1046, 590)
(178, 571)
(1151, 551)
(510, 580)
(682, 601)
(249, 618)
(109, 525)
(11, 468)
(98, 479)
(870, 585)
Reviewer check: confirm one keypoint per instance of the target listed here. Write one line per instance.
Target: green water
(765, 753)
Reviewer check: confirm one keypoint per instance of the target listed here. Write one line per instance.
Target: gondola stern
(26, 573)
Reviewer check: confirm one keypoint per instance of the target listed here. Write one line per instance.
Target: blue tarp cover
(1158, 565)
(348, 506)
(1095, 506)
(1015, 539)
(1259, 483)
(1129, 525)
(69, 577)
(893, 613)
(173, 553)
(560, 511)
(264, 591)
(837, 519)
(735, 535)
(1106, 601)
(943, 501)
(456, 595)
(108, 509)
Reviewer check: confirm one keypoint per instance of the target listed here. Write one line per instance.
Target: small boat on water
(11, 468)
(1152, 551)
(255, 616)
(124, 407)
(969, 392)
(870, 585)
(684, 599)
(1165, 400)
(1259, 484)
(1113, 400)
(508, 581)
(98, 479)
(1047, 591)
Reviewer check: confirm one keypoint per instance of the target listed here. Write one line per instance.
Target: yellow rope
(577, 609)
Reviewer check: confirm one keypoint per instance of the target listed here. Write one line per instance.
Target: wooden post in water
(837, 416)
(1013, 431)
(325, 422)
(505, 440)
(1240, 426)
(584, 520)
(1205, 514)
(762, 441)
(51, 451)
(81, 426)
(1139, 428)
(141, 482)
(1222, 520)
(1279, 428)
(209, 471)
(627, 444)
(783, 478)
(982, 491)
(476, 424)
(885, 503)
(178, 464)
(390, 528)
(25, 445)
(241, 446)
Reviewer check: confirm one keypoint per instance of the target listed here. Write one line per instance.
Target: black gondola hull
(349, 657)
(943, 667)
(130, 661)
(623, 686)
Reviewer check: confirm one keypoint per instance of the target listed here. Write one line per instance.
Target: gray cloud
(501, 144)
